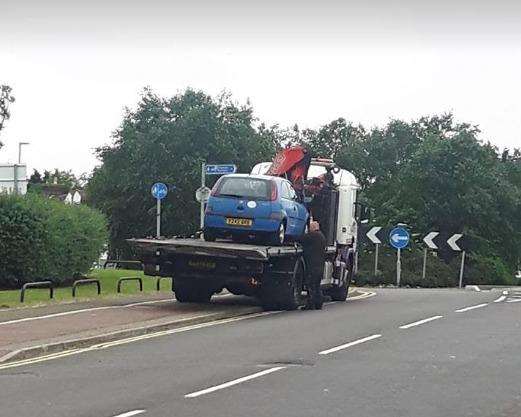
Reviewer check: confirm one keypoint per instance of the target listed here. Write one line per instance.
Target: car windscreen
(250, 188)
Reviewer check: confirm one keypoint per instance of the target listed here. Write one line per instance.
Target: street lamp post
(15, 178)
(20, 144)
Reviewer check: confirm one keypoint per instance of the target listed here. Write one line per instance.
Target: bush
(479, 270)
(45, 239)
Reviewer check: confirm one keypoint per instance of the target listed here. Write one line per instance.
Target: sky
(75, 65)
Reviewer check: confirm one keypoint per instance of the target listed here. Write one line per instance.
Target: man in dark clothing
(314, 245)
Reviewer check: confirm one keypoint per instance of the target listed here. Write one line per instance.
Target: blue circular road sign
(399, 238)
(159, 190)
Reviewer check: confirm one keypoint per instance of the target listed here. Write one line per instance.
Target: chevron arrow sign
(429, 240)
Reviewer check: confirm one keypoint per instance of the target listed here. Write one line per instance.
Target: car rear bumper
(218, 224)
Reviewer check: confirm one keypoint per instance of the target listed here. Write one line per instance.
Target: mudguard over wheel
(282, 288)
(191, 291)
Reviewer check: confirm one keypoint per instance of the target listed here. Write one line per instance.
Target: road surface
(401, 353)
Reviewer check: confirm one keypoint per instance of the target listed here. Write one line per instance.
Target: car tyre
(209, 236)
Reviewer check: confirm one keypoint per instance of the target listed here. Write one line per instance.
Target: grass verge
(109, 279)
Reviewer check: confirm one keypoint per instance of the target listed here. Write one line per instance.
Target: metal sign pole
(424, 271)
(15, 179)
(462, 269)
(203, 183)
(158, 218)
(398, 267)
(376, 260)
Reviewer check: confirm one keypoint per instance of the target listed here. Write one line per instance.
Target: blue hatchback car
(246, 206)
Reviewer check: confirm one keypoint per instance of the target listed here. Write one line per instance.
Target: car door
(301, 213)
(290, 207)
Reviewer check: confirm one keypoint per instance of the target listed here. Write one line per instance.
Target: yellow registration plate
(239, 222)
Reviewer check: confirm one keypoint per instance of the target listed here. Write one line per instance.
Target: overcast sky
(74, 65)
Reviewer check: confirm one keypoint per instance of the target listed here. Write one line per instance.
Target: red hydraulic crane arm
(292, 162)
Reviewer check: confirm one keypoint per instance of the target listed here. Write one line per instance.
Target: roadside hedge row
(41, 238)
(478, 270)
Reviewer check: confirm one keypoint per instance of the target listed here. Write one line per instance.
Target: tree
(435, 174)
(6, 98)
(167, 139)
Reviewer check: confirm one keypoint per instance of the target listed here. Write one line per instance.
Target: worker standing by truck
(314, 245)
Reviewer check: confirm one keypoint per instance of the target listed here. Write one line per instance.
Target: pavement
(401, 353)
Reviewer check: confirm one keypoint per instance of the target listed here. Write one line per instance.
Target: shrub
(45, 239)
(479, 270)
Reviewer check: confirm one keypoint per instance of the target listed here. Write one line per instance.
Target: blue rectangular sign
(220, 169)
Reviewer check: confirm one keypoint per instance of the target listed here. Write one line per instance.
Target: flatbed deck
(199, 247)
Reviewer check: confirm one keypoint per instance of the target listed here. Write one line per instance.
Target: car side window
(285, 192)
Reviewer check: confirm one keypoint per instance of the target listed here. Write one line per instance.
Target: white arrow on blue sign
(221, 169)
(399, 238)
(159, 190)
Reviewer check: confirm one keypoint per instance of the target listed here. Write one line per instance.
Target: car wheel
(209, 236)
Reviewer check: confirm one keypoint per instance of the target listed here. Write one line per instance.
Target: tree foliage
(167, 139)
(434, 174)
(56, 177)
(6, 98)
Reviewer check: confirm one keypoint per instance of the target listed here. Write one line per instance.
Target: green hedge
(478, 269)
(42, 238)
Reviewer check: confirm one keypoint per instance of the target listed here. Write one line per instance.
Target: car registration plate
(233, 221)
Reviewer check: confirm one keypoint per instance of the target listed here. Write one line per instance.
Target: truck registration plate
(232, 221)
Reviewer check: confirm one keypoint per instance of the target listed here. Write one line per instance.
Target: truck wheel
(340, 293)
(284, 293)
(190, 291)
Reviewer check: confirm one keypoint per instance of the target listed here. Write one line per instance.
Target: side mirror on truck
(362, 213)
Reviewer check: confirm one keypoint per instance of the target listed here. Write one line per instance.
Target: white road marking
(84, 310)
(362, 296)
(417, 323)
(356, 297)
(131, 413)
(133, 339)
(234, 382)
(462, 310)
(500, 299)
(354, 343)
(514, 301)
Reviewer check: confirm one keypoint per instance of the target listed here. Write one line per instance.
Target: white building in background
(12, 176)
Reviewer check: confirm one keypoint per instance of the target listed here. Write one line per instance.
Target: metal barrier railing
(85, 281)
(121, 280)
(158, 282)
(41, 284)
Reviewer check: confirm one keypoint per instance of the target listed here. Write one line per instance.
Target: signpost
(202, 194)
(372, 235)
(399, 239)
(453, 244)
(429, 241)
(159, 191)
(221, 169)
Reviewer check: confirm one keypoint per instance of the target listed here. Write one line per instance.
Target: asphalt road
(401, 353)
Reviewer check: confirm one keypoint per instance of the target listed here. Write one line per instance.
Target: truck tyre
(190, 291)
(284, 293)
(340, 293)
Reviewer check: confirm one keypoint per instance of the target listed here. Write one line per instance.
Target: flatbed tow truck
(274, 274)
